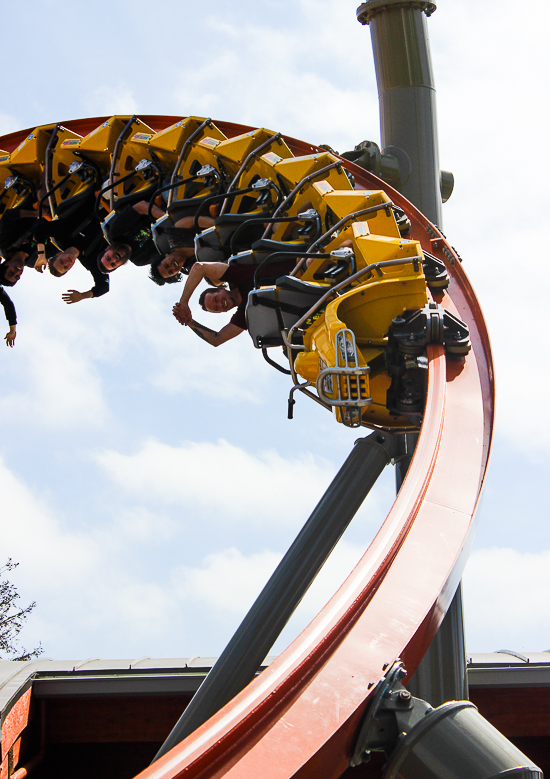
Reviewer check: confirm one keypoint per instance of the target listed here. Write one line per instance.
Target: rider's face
(218, 302)
(113, 258)
(170, 265)
(64, 262)
(14, 269)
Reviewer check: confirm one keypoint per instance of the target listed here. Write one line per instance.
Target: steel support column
(441, 676)
(241, 659)
(408, 129)
(406, 95)
(405, 445)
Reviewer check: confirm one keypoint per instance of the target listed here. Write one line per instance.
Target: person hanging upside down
(220, 298)
(170, 268)
(10, 273)
(131, 227)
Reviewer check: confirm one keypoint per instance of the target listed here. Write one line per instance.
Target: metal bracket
(431, 324)
(420, 741)
(435, 272)
(343, 385)
(393, 711)
(408, 337)
(367, 10)
(291, 401)
(392, 443)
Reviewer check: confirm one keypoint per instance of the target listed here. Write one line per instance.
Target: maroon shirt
(241, 278)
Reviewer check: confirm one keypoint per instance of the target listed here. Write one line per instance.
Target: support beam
(441, 676)
(406, 95)
(405, 445)
(242, 657)
(408, 129)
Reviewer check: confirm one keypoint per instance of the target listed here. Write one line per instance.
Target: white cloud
(227, 581)
(139, 525)
(507, 600)
(89, 591)
(187, 364)
(228, 481)
(109, 99)
(63, 389)
(50, 378)
(51, 553)
(100, 587)
(9, 124)
(295, 72)
(66, 357)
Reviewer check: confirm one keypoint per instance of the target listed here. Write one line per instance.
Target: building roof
(507, 668)
(103, 677)
(97, 676)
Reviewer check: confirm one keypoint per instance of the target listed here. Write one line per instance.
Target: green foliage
(12, 619)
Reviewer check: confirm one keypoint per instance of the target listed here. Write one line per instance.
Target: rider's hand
(73, 296)
(182, 312)
(10, 337)
(41, 263)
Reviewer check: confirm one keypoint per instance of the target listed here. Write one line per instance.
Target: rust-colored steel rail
(301, 715)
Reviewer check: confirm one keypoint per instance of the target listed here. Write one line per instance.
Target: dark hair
(53, 270)
(3, 280)
(154, 274)
(206, 292)
(117, 247)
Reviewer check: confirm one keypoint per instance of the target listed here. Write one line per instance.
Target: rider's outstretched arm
(214, 271)
(211, 336)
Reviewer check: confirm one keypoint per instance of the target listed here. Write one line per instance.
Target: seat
(17, 193)
(208, 246)
(188, 207)
(272, 309)
(136, 196)
(192, 197)
(107, 227)
(160, 237)
(244, 258)
(269, 245)
(214, 243)
(71, 204)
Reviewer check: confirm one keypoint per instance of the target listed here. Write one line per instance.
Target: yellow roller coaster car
(336, 334)
(81, 165)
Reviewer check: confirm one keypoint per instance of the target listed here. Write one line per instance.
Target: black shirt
(101, 280)
(9, 308)
(79, 229)
(15, 230)
(134, 230)
(82, 231)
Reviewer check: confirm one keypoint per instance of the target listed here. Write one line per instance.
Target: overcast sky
(150, 483)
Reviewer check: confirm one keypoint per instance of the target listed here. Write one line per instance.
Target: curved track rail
(302, 714)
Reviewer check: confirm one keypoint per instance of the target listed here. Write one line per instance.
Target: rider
(220, 298)
(181, 237)
(10, 273)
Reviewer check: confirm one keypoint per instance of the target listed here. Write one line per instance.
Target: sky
(150, 483)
